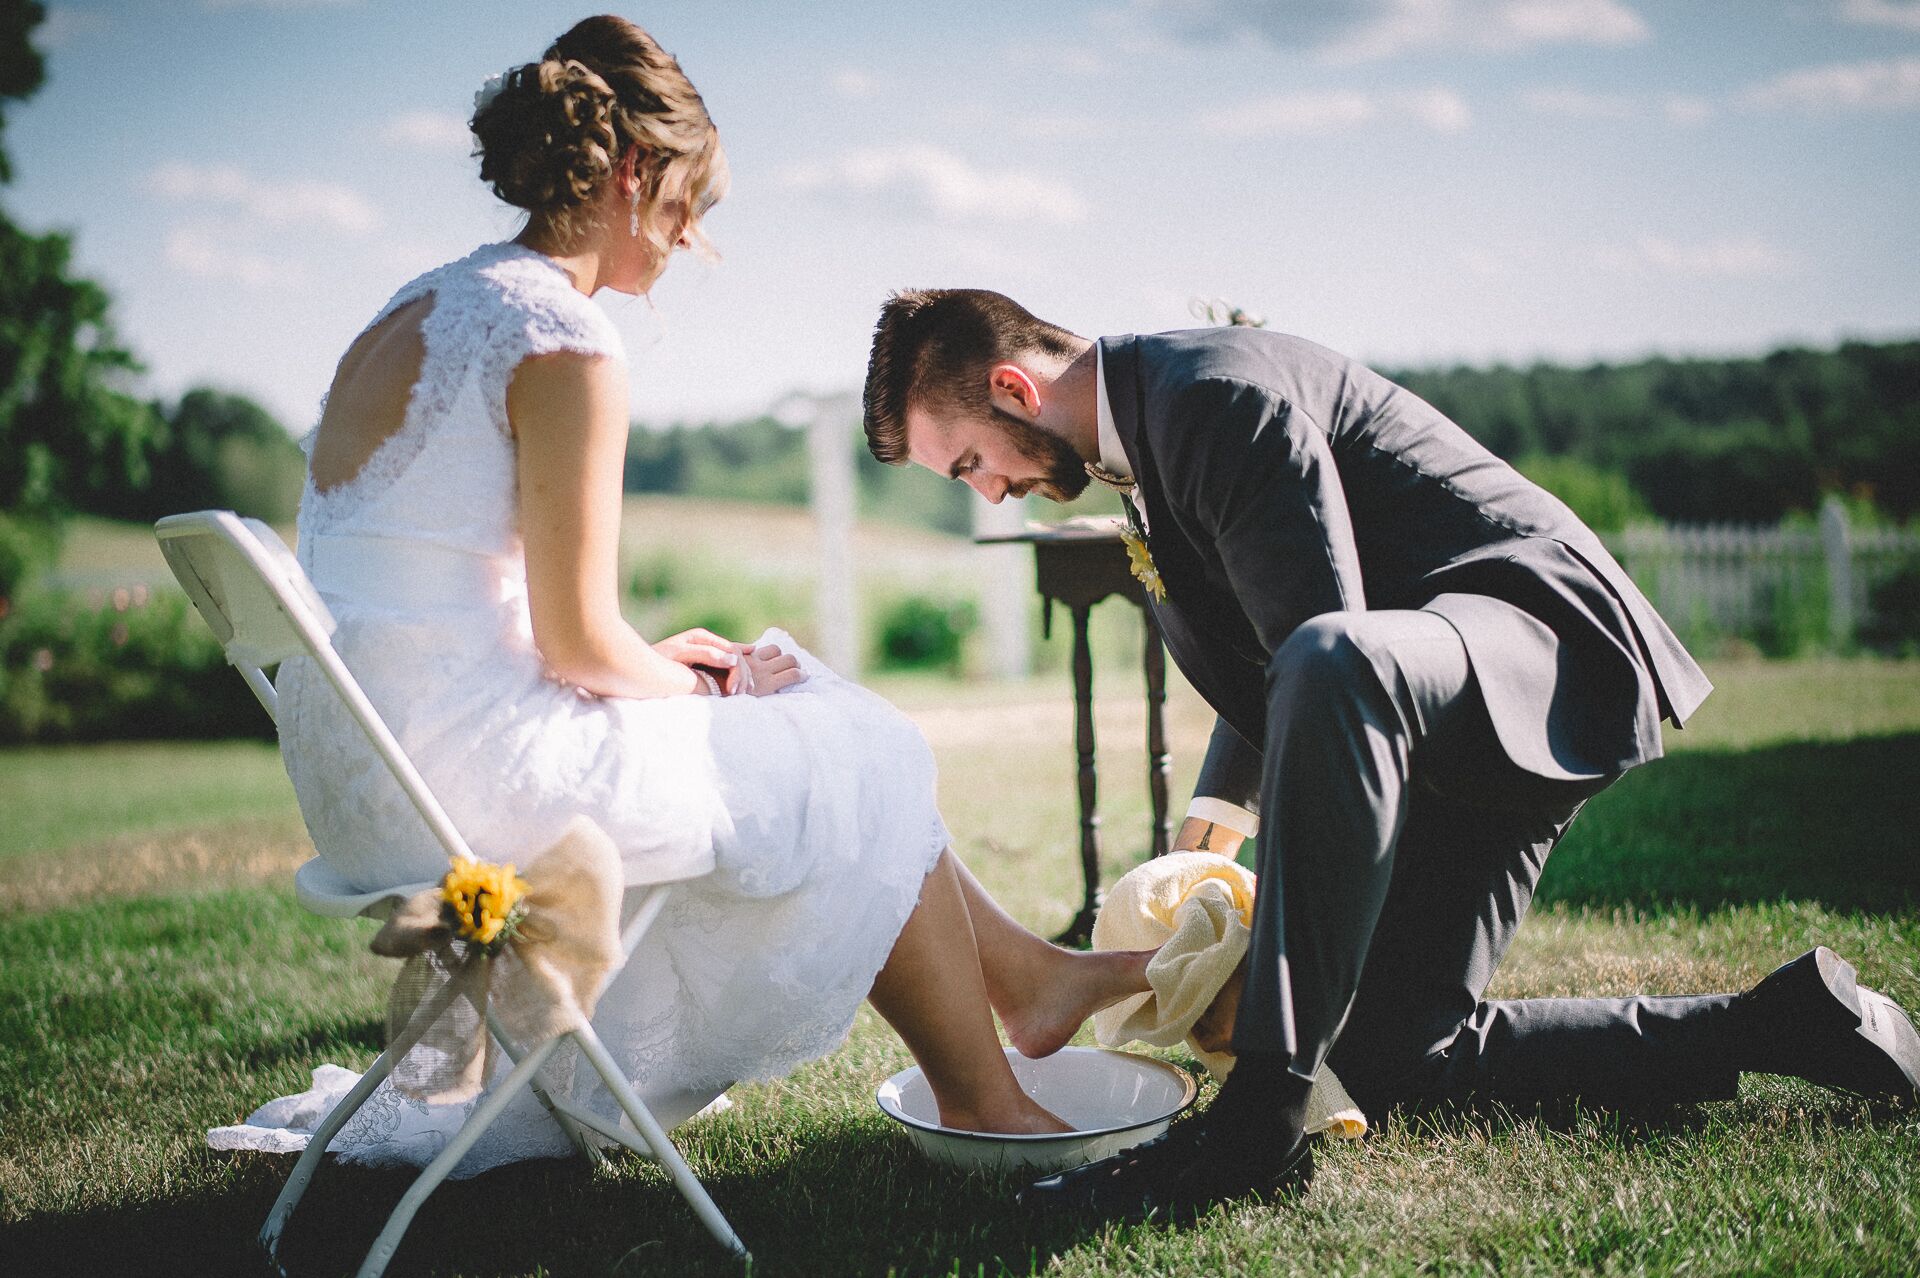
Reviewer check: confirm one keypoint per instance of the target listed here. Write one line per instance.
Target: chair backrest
(262, 607)
(245, 584)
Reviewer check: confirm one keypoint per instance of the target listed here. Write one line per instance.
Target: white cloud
(273, 203)
(1441, 110)
(1722, 257)
(1683, 109)
(428, 131)
(1308, 114)
(1083, 62)
(202, 252)
(1059, 59)
(1902, 15)
(1584, 104)
(1050, 127)
(1891, 84)
(1487, 263)
(851, 82)
(1580, 104)
(1292, 114)
(1367, 30)
(944, 184)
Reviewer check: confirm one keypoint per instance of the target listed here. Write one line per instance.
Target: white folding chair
(251, 590)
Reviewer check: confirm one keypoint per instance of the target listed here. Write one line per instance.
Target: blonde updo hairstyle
(557, 130)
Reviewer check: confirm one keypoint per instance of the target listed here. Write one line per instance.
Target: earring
(633, 219)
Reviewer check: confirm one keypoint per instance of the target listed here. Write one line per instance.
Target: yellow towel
(1197, 907)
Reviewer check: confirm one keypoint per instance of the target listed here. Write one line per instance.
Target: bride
(461, 519)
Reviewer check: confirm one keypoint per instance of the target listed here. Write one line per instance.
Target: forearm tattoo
(1206, 839)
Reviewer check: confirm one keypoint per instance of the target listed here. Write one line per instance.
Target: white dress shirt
(1113, 458)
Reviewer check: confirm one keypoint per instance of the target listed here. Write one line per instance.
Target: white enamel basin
(1113, 1099)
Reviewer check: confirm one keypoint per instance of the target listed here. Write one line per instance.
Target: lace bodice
(446, 476)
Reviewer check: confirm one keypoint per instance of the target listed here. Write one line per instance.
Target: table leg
(1159, 764)
(1080, 932)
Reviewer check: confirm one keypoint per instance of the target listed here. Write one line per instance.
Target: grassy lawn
(157, 979)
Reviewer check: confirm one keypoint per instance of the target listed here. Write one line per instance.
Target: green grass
(57, 796)
(141, 1003)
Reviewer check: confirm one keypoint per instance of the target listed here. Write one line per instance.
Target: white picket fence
(1733, 579)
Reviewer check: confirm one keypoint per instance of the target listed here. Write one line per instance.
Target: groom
(1423, 666)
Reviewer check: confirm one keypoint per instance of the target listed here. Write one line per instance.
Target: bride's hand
(766, 669)
(699, 647)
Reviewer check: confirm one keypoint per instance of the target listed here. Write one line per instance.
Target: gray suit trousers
(1398, 854)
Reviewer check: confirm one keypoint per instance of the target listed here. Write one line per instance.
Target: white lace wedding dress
(804, 822)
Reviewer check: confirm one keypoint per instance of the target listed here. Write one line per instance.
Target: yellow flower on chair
(486, 901)
(1140, 561)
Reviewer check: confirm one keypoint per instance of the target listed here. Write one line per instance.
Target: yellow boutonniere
(484, 902)
(1140, 560)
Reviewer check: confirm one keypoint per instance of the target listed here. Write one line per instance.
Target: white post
(1836, 540)
(1006, 589)
(828, 421)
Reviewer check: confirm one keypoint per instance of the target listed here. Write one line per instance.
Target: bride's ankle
(1121, 973)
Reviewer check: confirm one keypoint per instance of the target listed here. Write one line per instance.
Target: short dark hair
(933, 346)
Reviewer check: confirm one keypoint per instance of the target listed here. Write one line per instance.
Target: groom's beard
(1066, 475)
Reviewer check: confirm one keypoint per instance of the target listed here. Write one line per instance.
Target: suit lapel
(1126, 396)
(1184, 618)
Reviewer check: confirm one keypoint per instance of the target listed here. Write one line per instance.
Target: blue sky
(1410, 181)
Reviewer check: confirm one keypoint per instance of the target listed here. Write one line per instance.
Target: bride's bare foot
(1020, 1116)
(1043, 1012)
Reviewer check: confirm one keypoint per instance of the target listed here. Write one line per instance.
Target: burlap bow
(543, 981)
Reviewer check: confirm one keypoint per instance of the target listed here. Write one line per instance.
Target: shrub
(1795, 621)
(1603, 499)
(28, 547)
(653, 580)
(666, 594)
(1893, 616)
(125, 665)
(922, 633)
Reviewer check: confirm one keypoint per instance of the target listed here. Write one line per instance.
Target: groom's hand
(1199, 835)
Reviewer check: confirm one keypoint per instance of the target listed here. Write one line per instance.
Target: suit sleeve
(1228, 791)
(1261, 476)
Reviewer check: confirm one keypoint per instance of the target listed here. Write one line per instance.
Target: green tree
(67, 426)
(218, 449)
(22, 70)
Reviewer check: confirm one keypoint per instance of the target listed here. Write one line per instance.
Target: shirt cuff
(1220, 812)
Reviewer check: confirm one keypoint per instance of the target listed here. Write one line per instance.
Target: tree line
(1708, 440)
(1685, 440)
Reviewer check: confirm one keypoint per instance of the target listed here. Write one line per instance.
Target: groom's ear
(1014, 391)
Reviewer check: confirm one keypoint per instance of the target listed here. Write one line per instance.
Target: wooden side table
(1078, 565)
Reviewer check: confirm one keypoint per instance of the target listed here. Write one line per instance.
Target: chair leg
(649, 1127)
(337, 1117)
(437, 1170)
(296, 1186)
(574, 1131)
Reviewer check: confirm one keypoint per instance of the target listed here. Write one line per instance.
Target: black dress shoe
(1811, 1019)
(1176, 1177)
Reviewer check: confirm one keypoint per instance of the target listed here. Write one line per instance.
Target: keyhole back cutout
(368, 402)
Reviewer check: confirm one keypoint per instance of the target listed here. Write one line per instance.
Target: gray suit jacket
(1283, 481)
